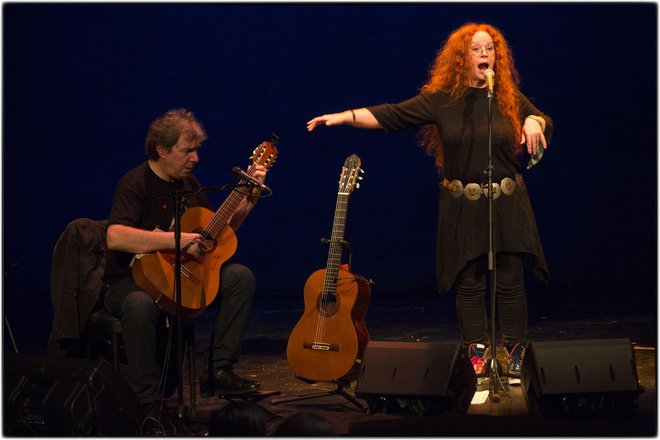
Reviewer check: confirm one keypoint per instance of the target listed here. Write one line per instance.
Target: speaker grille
(416, 375)
(67, 396)
(580, 379)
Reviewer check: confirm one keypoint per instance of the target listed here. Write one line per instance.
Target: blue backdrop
(83, 81)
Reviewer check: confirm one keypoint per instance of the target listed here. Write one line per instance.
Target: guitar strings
(330, 284)
(215, 226)
(220, 220)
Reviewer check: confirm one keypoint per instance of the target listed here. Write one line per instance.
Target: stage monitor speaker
(580, 379)
(419, 377)
(67, 397)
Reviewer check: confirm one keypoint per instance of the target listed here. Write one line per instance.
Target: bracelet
(353, 113)
(535, 118)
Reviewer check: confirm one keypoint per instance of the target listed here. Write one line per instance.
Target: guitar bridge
(320, 346)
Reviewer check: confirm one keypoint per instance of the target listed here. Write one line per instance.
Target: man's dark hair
(166, 130)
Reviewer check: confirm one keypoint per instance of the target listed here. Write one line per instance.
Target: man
(138, 220)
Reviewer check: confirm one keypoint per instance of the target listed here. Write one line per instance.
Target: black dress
(463, 224)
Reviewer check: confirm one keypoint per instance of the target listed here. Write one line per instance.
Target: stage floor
(420, 320)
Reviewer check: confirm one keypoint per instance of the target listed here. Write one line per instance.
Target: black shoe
(225, 382)
(514, 365)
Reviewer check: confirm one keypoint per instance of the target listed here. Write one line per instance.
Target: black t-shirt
(145, 201)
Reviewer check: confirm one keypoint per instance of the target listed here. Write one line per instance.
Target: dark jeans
(141, 317)
(510, 299)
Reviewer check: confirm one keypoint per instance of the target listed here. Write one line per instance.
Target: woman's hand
(532, 134)
(329, 120)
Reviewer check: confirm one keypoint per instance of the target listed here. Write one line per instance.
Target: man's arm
(138, 241)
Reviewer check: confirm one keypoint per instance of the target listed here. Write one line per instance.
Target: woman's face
(482, 57)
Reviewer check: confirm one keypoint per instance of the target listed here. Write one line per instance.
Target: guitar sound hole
(327, 304)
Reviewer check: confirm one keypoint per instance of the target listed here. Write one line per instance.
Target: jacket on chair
(76, 283)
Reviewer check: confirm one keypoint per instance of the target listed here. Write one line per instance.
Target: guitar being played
(213, 242)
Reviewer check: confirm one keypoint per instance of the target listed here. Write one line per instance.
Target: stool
(105, 327)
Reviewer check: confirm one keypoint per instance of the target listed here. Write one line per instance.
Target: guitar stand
(345, 244)
(340, 384)
(338, 391)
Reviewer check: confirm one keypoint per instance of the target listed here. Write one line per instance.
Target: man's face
(180, 161)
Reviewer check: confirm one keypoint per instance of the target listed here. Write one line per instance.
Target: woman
(452, 109)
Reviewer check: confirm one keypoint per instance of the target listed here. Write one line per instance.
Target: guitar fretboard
(335, 253)
(215, 226)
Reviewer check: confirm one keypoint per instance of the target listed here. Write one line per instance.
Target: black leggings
(510, 299)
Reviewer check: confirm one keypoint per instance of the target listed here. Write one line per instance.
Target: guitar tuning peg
(357, 185)
(361, 170)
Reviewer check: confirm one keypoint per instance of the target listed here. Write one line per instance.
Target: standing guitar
(331, 334)
(200, 281)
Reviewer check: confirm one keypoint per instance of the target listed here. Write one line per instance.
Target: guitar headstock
(350, 174)
(266, 153)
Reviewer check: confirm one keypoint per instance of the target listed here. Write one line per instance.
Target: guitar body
(200, 282)
(331, 334)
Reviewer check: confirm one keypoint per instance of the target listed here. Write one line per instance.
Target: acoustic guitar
(154, 272)
(329, 339)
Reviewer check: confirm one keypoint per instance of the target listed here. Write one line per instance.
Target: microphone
(236, 171)
(490, 80)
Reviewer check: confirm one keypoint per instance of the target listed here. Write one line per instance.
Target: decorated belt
(473, 191)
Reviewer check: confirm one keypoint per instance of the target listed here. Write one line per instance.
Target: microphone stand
(492, 362)
(183, 412)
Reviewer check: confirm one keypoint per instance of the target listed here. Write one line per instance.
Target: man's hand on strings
(193, 245)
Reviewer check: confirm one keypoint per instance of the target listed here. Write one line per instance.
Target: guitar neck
(335, 253)
(265, 154)
(221, 218)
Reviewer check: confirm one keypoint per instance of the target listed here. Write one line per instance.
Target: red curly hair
(450, 73)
